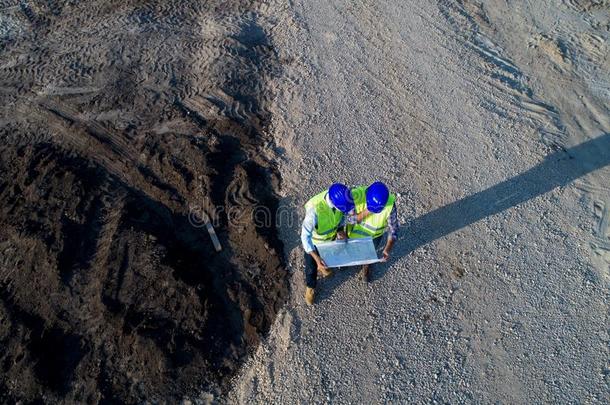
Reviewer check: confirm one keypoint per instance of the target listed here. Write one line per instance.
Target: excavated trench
(121, 123)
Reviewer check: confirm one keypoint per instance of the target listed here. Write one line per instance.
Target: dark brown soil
(121, 120)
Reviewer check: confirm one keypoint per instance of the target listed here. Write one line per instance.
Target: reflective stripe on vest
(356, 233)
(374, 225)
(328, 218)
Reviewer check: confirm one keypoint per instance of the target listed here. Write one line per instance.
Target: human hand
(323, 270)
(360, 217)
(351, 219)
(386, 256)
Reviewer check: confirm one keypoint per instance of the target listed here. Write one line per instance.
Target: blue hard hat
(377, 195)
(341, 197)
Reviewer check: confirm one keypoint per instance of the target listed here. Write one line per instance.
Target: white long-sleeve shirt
(309, 225)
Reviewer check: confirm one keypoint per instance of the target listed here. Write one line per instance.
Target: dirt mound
(120, 123)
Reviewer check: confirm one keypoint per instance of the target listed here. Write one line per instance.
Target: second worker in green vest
(375, 215)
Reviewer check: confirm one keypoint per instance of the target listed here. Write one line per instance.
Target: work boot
(309, 295)
(365, 273)
(325, 272)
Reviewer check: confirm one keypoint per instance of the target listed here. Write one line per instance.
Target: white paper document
(353, 252)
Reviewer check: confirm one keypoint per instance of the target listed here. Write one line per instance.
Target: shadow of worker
(556, 170)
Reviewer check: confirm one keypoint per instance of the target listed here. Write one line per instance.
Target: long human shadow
(557, 169)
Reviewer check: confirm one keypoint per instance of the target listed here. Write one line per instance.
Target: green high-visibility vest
(328, 219)
(374, 225)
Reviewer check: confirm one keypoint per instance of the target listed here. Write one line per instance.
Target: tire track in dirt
(509, 92)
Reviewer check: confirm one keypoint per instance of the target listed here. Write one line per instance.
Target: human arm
(309, 224)
(393, 226)
(360, 217)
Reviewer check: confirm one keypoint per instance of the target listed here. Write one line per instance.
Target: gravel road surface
(491, 123)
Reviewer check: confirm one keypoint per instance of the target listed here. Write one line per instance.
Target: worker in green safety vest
(375, 215)
(324, 222)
